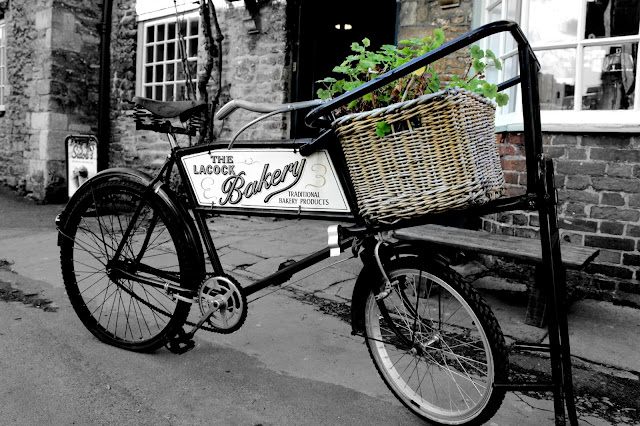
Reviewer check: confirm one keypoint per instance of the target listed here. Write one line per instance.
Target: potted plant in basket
(417, 145)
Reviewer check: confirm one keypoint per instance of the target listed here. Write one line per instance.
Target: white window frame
(618, 121)
(142, 61)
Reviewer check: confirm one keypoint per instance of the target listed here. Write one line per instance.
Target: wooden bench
(525, 249)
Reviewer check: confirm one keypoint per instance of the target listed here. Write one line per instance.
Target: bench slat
(525, 249)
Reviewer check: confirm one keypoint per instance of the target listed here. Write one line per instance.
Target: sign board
(278, 179)
(82, 160)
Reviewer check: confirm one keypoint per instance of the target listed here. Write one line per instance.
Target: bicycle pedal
(180, 343)
(285, 264)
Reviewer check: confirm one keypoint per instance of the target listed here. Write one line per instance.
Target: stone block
(52, 145)
(580, 168)
(610, 271)
(617, 155)
(613, 213)
(619, 170)
(612, 199)
(49, 121)
(408, 13)
(612, 243)
(611, 228)
(574, 224)
(64, 35)
(631, 259)
(43, 87)
(44, 19)
(609, 256)
(616, 184)
(578, 182)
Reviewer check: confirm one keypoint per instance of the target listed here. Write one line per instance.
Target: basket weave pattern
(441, 155)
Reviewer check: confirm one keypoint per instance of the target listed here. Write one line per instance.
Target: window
(3, 62)
(161, 74)
(588, 52)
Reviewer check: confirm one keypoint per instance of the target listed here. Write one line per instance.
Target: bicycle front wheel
(436, 344)
(119, 309)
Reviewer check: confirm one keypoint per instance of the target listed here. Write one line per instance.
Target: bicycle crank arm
(205, 317)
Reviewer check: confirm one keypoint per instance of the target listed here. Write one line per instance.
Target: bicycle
(133, 253)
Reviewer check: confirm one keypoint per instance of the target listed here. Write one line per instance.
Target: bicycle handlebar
(479, 33)
(231, 106)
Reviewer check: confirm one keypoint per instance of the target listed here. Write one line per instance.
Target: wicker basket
(441, 155)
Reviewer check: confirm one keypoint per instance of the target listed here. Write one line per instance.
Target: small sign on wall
(82, 160)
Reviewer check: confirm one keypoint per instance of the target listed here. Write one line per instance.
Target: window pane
(513, 10)
(160, 52)
(148, 92)
(608, 76)
(612, 18)
(150, 32)
(170, 72)
(193, 47)
(148, 74)
(553, 21)
(556, 79)
(169, 92)
(193, 27)
(159, 74)
(180, 72)
(158, 91)
(161, 32)
(171, 27)
(149, 54)
(183, 28)
(171, 51)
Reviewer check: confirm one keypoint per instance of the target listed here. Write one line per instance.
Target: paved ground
(287, 335)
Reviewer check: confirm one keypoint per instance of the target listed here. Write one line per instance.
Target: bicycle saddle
(170, 109)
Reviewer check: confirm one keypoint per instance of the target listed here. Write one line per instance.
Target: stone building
(275, 50)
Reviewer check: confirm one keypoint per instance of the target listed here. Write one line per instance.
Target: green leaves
(438, 37)
(476, 52)
(363, 65)
(502, 99)
(382, 129)
(489, 90)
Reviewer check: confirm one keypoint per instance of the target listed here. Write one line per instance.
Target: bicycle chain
(165, 313)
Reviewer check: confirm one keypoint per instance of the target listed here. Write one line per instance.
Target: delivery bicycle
(133, 252)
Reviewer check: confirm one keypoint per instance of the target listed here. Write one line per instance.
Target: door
(325, 31)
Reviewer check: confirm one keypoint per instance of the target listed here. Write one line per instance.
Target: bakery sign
(279, 179)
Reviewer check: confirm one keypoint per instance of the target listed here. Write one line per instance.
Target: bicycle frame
(540, 196)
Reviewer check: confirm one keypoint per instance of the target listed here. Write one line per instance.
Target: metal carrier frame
(540, 196)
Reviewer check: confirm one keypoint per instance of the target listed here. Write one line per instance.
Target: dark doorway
(326, 30)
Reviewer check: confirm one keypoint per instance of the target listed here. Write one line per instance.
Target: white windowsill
(576, 122)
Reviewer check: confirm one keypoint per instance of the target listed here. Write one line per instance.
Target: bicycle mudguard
(370, 274)
(162, 190)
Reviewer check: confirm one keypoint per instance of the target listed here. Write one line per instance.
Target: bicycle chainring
(224, 294)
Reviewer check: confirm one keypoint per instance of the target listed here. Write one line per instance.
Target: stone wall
(418, 19)
(599, 204)
(256, 67)
(52, 57)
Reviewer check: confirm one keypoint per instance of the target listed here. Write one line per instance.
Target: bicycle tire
(121, 312)
(452, 352)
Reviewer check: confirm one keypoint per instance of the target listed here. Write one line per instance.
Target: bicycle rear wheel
(119, 311)
(436, 344)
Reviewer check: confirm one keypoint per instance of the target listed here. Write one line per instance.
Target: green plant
(364, 65)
